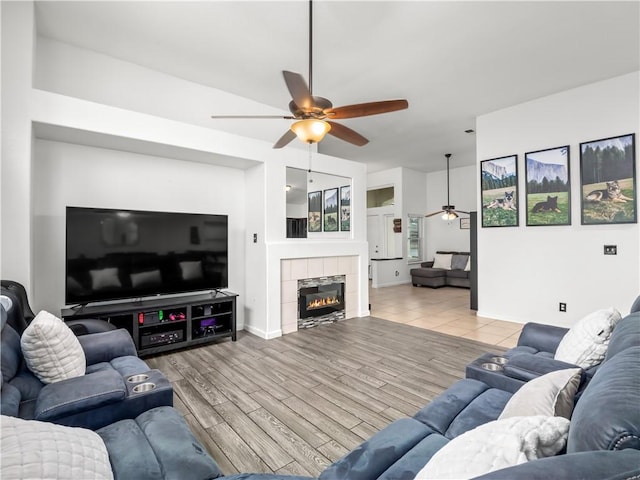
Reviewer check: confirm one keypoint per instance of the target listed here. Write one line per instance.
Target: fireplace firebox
(320, 300)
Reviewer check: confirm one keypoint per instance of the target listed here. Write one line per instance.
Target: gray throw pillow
(458, 261)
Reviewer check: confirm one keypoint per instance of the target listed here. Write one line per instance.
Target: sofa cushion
(157, 444)
(585, 344)
(428, 272)
(459, 261)
(32, 449)
(51, 350)
(512, 441)
(550, 395)
(467, 267)
(457, 274)
(607, 416)
(442, 260)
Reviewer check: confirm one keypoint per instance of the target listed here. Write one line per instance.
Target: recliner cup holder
(141, 377)
(144, 387)
(494, 367)
(499, 360)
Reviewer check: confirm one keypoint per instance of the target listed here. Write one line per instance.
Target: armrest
(104, 347)
(89, 325)
(526, 366)
(597, 465)
(545, 338)
(78, 394)
(427, 264)
(463, 406)
(373, 457)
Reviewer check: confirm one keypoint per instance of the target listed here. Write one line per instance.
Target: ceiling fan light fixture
(448, 216)
(310, 130)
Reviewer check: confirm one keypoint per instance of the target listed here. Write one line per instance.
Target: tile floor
(444, 310)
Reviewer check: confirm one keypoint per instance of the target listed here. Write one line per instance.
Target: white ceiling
(452, 60)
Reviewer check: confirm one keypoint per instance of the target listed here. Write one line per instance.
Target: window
(380, 197)
(414, 239)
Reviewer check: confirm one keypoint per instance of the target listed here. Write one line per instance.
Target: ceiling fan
(449, 211)
(315, 115)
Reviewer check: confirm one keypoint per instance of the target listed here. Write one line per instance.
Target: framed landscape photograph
(314, 221)
(345, 208)
(607, 180)
(548, 186)
(499, 190)
(331, 210)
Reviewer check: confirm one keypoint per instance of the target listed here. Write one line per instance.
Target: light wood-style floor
(295, 404)
(443, 310)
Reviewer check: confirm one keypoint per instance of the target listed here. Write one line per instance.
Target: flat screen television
(117, 254)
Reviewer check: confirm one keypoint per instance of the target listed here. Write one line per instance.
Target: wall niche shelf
(159, 325)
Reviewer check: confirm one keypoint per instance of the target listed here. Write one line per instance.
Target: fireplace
(321, 300)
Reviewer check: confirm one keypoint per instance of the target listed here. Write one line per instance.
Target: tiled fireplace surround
(295, 269)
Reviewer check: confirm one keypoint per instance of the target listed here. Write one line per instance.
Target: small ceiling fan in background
(448, 211)
(315, 115)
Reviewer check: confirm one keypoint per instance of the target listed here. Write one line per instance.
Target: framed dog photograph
(608, 181)
(548, 186)
(345, 208)
(499, 190)
(314, 220)
(331, 210)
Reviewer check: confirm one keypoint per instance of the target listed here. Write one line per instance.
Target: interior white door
(374, 236)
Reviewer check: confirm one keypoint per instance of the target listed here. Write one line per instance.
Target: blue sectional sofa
(604, 433)
(603, 440)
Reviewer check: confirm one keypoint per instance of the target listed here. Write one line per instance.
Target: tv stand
(162, 324)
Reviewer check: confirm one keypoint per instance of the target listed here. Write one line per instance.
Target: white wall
(66, 174)
(103, 103)
(441, 235)
(18, 39)
(524, 272)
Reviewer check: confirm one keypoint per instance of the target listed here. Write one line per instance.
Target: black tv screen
(116, 254)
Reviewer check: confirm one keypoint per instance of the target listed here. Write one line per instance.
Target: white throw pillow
(551, 395)
(585, 344)
(104, 278)
(191, 270)
(467, 267)
(497, 445)
(51, 350)
(32, 449)
(442, 260)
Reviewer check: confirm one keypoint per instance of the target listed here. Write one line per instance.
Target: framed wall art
(314, 220)
(548, 186)
(607, 180)
(499, 190)
(465, 223)
(345, 208)
(331, 210)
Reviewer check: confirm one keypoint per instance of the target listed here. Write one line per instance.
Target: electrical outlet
(563, 307)
(255, 238)
(610, 249)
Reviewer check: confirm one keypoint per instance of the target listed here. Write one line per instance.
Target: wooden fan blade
(298, 89)
(435, 213)
(364, 109)
(285, 117)
(346, 134)
(285, 139)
